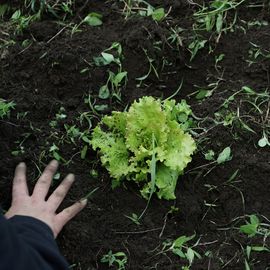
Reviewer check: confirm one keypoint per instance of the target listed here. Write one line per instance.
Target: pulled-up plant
(148, 144)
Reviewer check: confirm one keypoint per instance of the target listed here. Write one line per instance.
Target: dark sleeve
(28, 243)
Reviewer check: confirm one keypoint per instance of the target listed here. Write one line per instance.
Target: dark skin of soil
(45, 76)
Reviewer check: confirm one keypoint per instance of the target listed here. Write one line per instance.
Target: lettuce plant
(128, 141)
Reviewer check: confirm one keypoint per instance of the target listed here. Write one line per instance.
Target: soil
(45, 75)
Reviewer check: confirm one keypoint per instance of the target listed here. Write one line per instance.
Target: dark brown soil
(45, 76)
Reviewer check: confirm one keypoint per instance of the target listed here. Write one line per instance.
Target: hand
(35, 205)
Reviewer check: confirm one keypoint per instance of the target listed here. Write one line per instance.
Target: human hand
(35, 205)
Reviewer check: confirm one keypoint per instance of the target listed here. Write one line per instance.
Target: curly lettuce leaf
(145, 119)
(166, 180)
(178, 112)
(165, 183)
(179, 147)
(114, 154)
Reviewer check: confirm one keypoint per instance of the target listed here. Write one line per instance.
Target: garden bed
(49, 73)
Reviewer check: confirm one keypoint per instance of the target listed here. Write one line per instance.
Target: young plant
(142, 8)
(51, 7)
(214, 16)
(254, 227)
(256, 54)
(118, 259)
(115, 80)
(197, 44)
(5, 108)
(180, 248)
(23, 21)
(148, 144)
(152, 69)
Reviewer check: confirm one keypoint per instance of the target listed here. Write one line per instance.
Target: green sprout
(118, 259)
(5, 108)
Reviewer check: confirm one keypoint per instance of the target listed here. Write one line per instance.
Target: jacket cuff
(33, 223)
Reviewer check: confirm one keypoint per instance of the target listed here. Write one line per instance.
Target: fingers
(60, 193)
(67, 214)
(43, 184)
(19, 188)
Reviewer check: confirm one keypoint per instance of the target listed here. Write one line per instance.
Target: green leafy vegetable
(125, 142)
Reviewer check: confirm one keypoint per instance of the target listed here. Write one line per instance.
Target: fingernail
(71, 177)
(22, 164)
(54, 162)
(83, 201)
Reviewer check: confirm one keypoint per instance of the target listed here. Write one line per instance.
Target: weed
(93, 19)
(61, 115)
(257, 54)
(5, 108)
(206, 92)
(54, 150)
(180, 248)
(218, 59)
(175, 36)
(134, 218)
(116, 80)
(142, 8)
(196, 45)
(23, 21)
(214, 16)
(254, 227)
(151, 69)
(20, 147)
(244, 108)
(118, 259)
(51, 7)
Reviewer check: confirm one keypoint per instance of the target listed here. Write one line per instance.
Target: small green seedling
(93, 19)
(218, 59)
(195, 46)
(94, 173)
(180, 248)
(61, 115)
(209, 155)
(54, 150)
(118, 259)
(5, 108)
(254, 228)
(22, 22)
(257, 54)
(214, 17)
(251, 228)
(134, 218)
(263, 142)
(224, 156)
(151, 69)
(20, 148)
(144, 9)
(116, 80)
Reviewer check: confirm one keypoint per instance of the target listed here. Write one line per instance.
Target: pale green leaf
(93, 19)
(158, 14)
(104, 92)
(224, 156)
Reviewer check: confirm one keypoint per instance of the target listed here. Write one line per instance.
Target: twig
(57, 34)
(139, 232)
